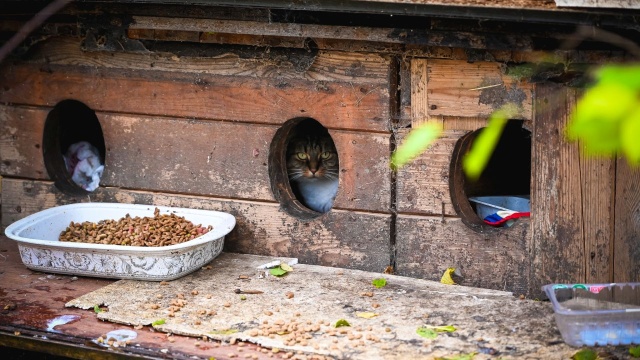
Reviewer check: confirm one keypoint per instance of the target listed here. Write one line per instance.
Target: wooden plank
(558, 247)
(225, 61)
(199, 157)
(425, 37)
(423, 184)
(427, 246)
(420, 94)
(459, 88)
(598, 193)
(21, 142)
(626, 252)
(337, 105)
(347, 239)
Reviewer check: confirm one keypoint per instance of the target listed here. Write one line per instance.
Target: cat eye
(326, 155)
(301, 156)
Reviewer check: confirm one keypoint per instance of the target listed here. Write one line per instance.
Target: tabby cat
(312, 166)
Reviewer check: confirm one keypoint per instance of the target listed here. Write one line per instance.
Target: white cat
(83, 163)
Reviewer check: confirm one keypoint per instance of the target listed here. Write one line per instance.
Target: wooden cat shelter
(189, 105)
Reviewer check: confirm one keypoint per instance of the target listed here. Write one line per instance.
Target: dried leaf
(366, 315)
(447, 277)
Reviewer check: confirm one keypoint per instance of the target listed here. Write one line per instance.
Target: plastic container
(597, 314)
(487, 205)
(37, 237)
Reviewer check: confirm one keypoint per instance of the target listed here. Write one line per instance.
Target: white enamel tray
(37, 237)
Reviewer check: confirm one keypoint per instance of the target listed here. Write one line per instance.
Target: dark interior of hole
(69, 122)
(509, 169)
(304, 128)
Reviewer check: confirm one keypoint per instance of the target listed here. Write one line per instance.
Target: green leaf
(224, 332)
(629, 130)
(416, 142)
(243, 297)
(158, 322)
(634, 351)
(427, 333)
(625, 75)
(459, 357)
(278, 271)
(378, 283)
(446, 328)
(97, 309)
(585, 354)
(342, 322)
(482, 148)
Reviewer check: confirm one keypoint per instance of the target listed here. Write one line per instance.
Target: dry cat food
(159, 230)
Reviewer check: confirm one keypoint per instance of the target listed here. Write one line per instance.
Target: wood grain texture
(423, 184)
(345, 239)
(198, 157)
(427, 246)
(626, 256)
(336, 104)
(558, 247)
(598, 194)
(320, 66)
(459, 88)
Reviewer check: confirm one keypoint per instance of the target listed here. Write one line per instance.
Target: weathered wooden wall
(189, 105)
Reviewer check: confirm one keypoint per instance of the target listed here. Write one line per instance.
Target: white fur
(83, 163)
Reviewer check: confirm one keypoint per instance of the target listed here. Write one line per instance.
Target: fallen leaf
(286, 267)
(224, 332)
(459, 357)
(378, 283)
(366, 315)
(634, 351)
(97, 309)
(277, 271)
(427, 333)
(447, 279)
(585, 354)
(158, 322)
(342, 322)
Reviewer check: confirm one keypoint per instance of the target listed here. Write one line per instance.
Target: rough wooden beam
(626, 255)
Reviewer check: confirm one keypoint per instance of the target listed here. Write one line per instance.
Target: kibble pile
(159, 230)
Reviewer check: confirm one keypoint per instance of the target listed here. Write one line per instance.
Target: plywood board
(198, 157)
(460, 88)
(427, 246)
(321, 296)
(423, 184)
(345, 239)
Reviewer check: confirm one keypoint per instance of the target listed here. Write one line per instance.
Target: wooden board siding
(626, 256)
(462, 89)
(198, 157)
(342, 104)
(427, 246)
(558, 245)
(423, 184)
(341, 238)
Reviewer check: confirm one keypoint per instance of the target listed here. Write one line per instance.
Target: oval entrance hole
(69, 126)
(303, 168)
(507, 176)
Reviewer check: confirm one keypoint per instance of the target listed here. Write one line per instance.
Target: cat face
(311, 158)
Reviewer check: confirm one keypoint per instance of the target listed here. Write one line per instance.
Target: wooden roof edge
(468, 9)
